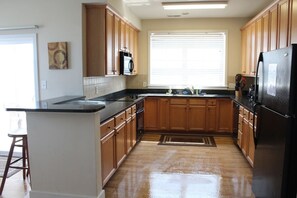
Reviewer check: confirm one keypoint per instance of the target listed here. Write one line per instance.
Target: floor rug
(187, 140)
(11, 171)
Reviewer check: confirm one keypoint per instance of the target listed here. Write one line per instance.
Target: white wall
(232, 25)
(59, 20)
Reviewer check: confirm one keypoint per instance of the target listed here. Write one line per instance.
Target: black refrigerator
(275, 167)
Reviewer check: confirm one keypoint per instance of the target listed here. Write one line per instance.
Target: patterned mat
(187, 140)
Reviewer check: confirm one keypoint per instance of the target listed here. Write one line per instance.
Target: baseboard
(37, 194)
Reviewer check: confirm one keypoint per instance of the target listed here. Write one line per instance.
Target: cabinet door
(178, 117)
(243, 50)
(135, 53)
(151, 114)
(283, 23)
(108, 156)
(248, 50)
(109, 42)
(294, 22)
(211, 121)
(259, 39)
(127, 37)
(251, 147)
(253, 49)
(131, 40)
(122, 35)
(133, 129)
(116, 46)
(245, 137)
(129, 142)
(120, 143)
(265, 42)
(197, 118)
(225, 115)
(273, 12)
(163, 113)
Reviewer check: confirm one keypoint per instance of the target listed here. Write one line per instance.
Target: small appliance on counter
(251, 93)
(126, 63)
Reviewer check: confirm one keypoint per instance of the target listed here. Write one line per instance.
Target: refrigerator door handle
(260, 59)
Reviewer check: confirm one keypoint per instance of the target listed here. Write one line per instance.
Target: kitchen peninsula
(65, 152)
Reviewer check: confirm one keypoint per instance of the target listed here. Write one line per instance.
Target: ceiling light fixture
(191, 5)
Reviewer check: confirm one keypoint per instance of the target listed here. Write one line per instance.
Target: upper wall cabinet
(106, 34)
(269, 30)
(294, 22)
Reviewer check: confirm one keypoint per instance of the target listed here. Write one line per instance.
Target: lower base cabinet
(118, 137)
(245, 138)
(188, 114)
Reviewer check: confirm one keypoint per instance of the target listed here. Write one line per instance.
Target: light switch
(43, 84)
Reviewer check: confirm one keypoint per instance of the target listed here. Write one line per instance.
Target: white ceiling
(152, 9)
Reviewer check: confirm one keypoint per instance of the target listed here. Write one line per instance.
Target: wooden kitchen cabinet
(106, 34)
(178, 108)
(294, 22)
(258, 42)
(107, 150)
(283, 8)
(273, 20)
(245, 139)
(265, 43)
(133, 129)
(151, 118)
(163, 114)
(197, 116)
(129, 143)
(243, 51)
(211, 115)
(225, 115)
(251, 148)
(120, 137)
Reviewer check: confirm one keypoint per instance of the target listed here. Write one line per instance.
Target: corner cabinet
(106, 34)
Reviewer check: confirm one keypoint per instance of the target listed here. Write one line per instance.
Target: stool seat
(19, 139)
(18, 133)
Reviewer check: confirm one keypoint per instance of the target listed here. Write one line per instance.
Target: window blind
(188, 59)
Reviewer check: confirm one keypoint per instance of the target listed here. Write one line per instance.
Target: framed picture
(57, 54)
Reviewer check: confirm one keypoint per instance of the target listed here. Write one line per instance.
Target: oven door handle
(139, 111)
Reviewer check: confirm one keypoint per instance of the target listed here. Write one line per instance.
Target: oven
(139, 119)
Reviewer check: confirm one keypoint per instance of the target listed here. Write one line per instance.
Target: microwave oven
(126, 63)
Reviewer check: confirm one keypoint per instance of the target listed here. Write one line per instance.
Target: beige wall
(232, 25)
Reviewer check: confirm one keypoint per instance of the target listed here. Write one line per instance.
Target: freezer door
(275, 80)
(269, 173)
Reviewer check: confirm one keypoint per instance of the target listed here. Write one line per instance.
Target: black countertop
(110, 108)
(58, 105)
(245, 102)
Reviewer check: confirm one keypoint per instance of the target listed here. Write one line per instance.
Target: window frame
(149, 85)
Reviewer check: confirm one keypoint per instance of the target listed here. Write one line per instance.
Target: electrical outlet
(43, 84)
(144, 84)
(97, 90)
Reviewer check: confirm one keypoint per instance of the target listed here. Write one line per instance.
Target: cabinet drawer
(107, 127)
(197, 101)
(240, 117)
(251, 117)
(133, 109)
(120, 118)
(128, 113)
(246, 114)
(211, 102)
(241, 110)
(178, 101)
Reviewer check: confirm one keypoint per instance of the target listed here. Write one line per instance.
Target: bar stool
(19, 139)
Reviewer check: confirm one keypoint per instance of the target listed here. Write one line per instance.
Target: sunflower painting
(57, 54)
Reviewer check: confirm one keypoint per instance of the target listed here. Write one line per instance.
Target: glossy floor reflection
(157, 171)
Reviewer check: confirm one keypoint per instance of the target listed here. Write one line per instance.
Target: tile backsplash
(99, 86)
